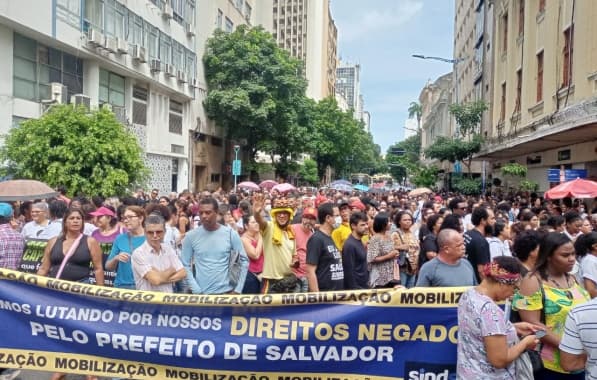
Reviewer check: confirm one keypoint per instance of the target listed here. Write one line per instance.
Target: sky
(381, 35)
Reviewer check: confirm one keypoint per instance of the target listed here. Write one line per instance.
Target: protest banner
(56, 325)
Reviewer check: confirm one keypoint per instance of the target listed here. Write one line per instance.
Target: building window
(175, 117)
(248, 11)
(152, 41)
(35, 66)
(567, 54)
(178, 10)
(541, 6)
(540, 76)
(219, 19)
(140, 96)
(191, 64)
(111, 88)
(521, 18)
(114, 16)
(518, 90)
(505, 33)
(215, 177)
(229, 26)
(503, 103)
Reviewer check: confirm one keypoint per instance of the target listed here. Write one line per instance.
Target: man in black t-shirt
(477, 247)
(354, 254)
(324, 262)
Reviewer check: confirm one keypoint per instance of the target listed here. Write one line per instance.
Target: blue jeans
(407, 280)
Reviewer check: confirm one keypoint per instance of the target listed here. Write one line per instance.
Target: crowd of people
(541, 254)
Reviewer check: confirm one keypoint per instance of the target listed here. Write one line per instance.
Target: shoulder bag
(68, 255)
(234, 265)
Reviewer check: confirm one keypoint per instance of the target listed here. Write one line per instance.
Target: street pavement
(42, 375)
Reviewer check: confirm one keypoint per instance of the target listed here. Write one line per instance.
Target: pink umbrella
(578, 188)
(268, 184)
(248, 185)
(283, 187)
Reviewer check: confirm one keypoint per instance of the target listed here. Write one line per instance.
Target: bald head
(451, 244)
(445, 236)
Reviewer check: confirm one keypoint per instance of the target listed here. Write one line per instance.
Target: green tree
(256, 92)
(403, 158)
(335, 138)
(426, 176)
(88, 152)
(308, 172)
(468, 140)
(415, 110)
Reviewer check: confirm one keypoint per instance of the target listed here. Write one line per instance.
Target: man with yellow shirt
(343, 231)
(279, 246)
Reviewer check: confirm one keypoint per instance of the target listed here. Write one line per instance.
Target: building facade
(545, 87)
(138, 57)
(306, 29)
(348, 84)
(435, 99)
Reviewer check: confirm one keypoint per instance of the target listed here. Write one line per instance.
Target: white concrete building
(138, 56)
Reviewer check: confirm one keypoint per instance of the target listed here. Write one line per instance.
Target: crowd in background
(329, 240)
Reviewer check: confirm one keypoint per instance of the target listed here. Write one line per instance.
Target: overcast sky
(382, 35)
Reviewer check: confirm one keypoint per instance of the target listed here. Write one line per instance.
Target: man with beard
(324, 261)
(354, 254)
(279, 246)
(302, 233)
(477, 247)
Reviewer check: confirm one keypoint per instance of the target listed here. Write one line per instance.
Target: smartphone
(540, 334)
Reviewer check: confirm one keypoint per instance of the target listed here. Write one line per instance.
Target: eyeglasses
(127, 217)
(154, 233)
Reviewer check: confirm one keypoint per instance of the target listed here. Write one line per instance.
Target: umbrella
(248, 185)
(419, 191)
(341, 187)
(268, 184)
(24, 190)
(283, 187)
(360, 187)
(340, 181)
(578, 188)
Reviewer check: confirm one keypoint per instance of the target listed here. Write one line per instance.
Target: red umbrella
(578, 188)
(284, 188)
(268, 184)
(248, 185)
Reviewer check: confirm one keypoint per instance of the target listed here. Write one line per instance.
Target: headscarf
(501, 275)
(281, 205)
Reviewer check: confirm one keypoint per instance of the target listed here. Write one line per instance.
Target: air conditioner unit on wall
(169, 70)
(111, 45)
(181, 76)
(167, 12)
(139, 53)
(122, 46)
(190, 29)
(156, 65)
(194, 83)
(94, 37)
(81, 100)
(59, 93)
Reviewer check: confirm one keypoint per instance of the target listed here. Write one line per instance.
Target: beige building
(211, 153)
(545, 87)
(435, 99)
(306, 29)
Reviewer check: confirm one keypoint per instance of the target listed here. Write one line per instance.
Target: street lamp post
(236, 165)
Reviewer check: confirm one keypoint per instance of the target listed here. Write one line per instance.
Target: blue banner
(55, 325)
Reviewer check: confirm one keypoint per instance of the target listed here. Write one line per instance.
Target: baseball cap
(358, 205)
(310, 212)
(5, 210)
(103, 211)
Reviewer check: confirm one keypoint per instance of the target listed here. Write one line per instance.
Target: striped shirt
(580, 335)
(12, 246)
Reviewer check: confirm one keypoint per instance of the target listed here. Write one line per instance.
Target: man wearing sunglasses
(156, 267)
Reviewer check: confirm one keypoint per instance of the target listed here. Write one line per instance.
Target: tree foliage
(308, 172)
(468, 116)
(415, 110)
(88, 152)
(514, 169)
(256, 91)
(407, 162)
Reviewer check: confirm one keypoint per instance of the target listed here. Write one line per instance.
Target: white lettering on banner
(189, 322)
(330, 353)
(15, 306)
(74, 313)
(156, 344)
(58, 333)
(236, 351)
